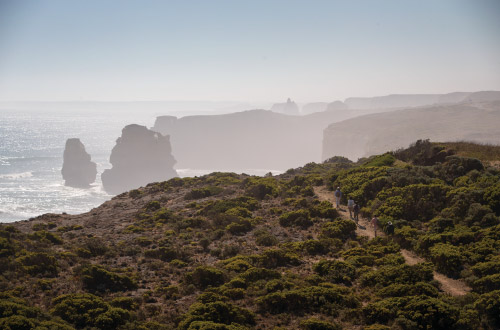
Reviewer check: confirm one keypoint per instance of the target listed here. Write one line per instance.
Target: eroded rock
(139, 157)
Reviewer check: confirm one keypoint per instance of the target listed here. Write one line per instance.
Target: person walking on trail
(390, 228)
(350, 206)
(375, 225)
(338, 195)
(356, 208)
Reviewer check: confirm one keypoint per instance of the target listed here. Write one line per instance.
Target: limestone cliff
(375, 133)
(139, 157)
(78, 170)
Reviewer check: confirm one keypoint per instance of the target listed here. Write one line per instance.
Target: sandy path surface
(448, 285)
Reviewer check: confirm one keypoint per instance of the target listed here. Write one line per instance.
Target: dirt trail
(448, 285)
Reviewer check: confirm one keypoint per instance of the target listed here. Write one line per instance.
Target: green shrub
(336, 271)
(324, 210)
(261, 187)
(299, 218)
(205, 276)
(402, 290)
(315, 324)
(487, 283)
(217, 312)
(46, 236)
(382, 160)
(39, 263)
(87, 310)
(16, 322)
(265, 238)
(203, 192)
(255, 274)
(340, 228)
(96, 278)
(164, 253)
(309, 299)
(489, 304)
(274, 258)
(403, 274)
(447, 258)
(492, 197)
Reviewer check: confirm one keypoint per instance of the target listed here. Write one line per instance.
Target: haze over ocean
(31, 150)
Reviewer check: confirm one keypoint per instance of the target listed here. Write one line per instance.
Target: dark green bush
(204, 192)
(308, 299)
(447, 258)
(96, 278)
(299, 218)
(38, 263)
(265, 238)
(217, 312)
(340, 228)
(336, 271)
(261, 187)
(87, 310)
(315, 324)
(274, 258)
(489, 304)
(205, 276)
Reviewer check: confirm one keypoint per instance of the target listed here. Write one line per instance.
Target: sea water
(31, 157)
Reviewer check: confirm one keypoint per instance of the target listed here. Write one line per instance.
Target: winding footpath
(451, 286)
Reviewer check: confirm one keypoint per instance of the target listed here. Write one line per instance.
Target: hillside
(227, 251)
(376, 133)
(419, 100)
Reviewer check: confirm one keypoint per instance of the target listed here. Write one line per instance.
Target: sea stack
(78, 170)
(140, 156)
(288, 108)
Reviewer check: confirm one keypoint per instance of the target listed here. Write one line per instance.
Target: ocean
(31, 156)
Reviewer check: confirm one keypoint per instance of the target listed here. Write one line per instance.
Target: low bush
(98, 279)
(205, 276)
(217, 312)
(336, 271)
(315, 324)
(88, 310)
(299, 218)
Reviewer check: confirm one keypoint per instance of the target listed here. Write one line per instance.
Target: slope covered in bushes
(227, 251)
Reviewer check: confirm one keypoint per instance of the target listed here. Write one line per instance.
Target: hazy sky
(245, 50)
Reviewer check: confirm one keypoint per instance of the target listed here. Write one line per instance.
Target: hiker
(356, 208)
(375, 224)
(338, 195)
(390, 228)
(350, 206)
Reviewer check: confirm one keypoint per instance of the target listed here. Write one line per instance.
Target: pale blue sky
(245, 50)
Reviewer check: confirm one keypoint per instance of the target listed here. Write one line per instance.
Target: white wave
(16, 175)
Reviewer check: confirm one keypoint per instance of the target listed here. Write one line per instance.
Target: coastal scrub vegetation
(233, 252)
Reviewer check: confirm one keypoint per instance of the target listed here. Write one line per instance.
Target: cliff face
(140, 156)
(256, 139)
(78, 170)
(371, 134)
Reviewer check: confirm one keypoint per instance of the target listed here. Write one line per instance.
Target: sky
(248, 51)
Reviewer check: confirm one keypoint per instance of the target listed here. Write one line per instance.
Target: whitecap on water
(13, 176)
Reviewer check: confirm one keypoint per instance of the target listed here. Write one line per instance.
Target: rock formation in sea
(78, 170)
(139, 157)
(288, 108)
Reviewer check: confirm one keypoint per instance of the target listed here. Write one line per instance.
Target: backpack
(337, 193)
(356, 208)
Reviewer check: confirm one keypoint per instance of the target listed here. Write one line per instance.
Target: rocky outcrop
(288, 108)
(78, 170)
(139, 157)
